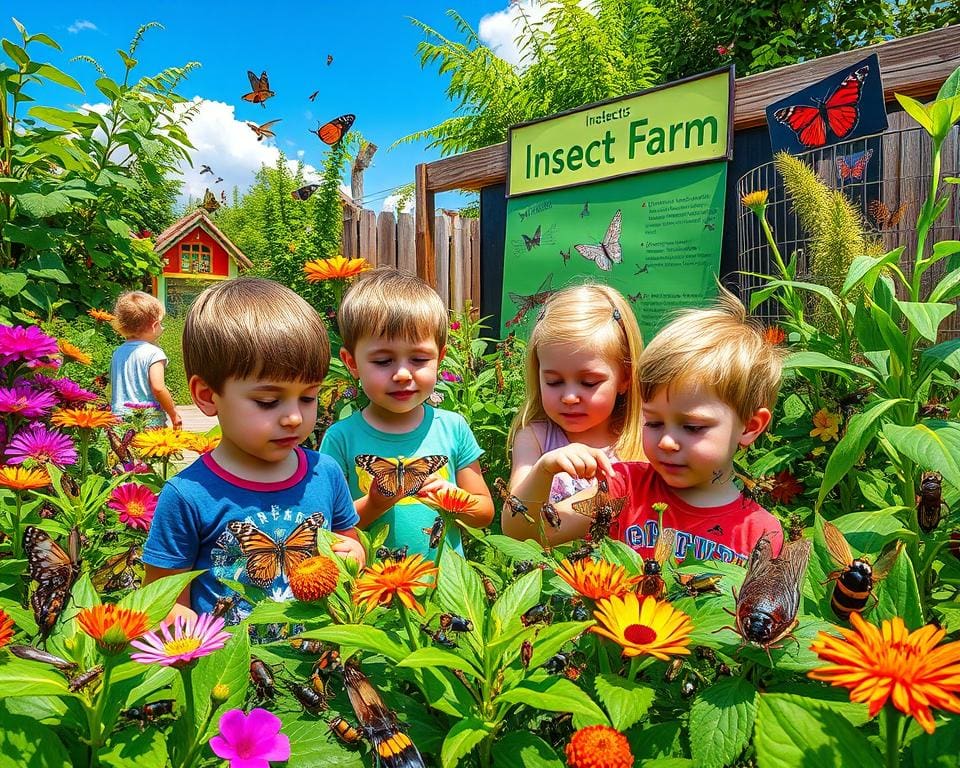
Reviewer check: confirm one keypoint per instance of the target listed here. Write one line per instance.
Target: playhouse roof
(198, 218)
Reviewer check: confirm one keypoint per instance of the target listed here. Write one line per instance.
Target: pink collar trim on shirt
(252, 485)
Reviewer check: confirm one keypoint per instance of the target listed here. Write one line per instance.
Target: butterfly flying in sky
(313, 95)
(330, 133)
(263, 130)
(304, 192)
(260, 89)
(853, 167)
(205, 169)
(218, 179)
(608, 252)
(839, 112)
(266, 558)
(329, 59)
(209, 203)
(399, 477)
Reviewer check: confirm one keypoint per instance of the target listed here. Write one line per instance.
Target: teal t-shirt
(441, 432)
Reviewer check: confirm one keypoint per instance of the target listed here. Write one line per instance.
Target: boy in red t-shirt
(708, 380)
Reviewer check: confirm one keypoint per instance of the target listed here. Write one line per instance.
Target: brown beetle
(602, 509)
(651, 583)
(930, 505)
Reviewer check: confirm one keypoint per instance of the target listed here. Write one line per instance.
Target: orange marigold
(599, 746)
(74, 352)
(336, 268)
(17, 478)
(113, 627)
(381, 582)
(84, 418)
(314, 578)
(101, 315)
(596, 579)
(6, 628)
(450, 499)
(774, 334)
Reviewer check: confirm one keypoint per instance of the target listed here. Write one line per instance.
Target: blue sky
(375, 73)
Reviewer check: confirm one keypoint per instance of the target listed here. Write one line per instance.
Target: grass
(174, 376)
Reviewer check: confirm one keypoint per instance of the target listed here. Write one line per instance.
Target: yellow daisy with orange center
(314, 578)
(597, 579)
(381, 582)
(18, 478)
(336, 268)
(643, 626)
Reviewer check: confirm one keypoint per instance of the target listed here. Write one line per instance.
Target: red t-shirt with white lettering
(727, 533)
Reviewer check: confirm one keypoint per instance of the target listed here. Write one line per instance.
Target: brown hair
(720, 348)
(249, 327)
(135, 312)
(391, 303)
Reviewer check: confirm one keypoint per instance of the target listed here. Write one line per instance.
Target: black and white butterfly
(608, 252)
(531, 241)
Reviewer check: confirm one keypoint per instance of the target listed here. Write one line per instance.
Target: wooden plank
(349, 244)
(406, 243)
(426, 260)
(441, 258)
(368, 236)
(459, 268)
(475, 264)
(386, 239)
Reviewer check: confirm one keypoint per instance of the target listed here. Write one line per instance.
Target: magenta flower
(40, 444)
(455, 325)
(142, 406)
(66, 389)
(25, 343)
(450, 376)
(191, 639)
(23, 400)
(134, 504)
(250, 741)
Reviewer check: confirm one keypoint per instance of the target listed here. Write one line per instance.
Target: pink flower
(450, 376)
(41, 445)
(22, 400)
(134, 504)
(250, 741)
(66, 389)
(25, 343)
(455, 325)
(191, 639)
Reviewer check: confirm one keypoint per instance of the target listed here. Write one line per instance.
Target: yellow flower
(643, 626)
(194, 441)
(599, 746)
(890, 662)
(381, 582)
(453, 500)
(74, 352)
(17, 478)
(756, 201)
(337, 267)
(84, 418)
(163, 441)
(597, 579)
(826, 425)
(314, 578)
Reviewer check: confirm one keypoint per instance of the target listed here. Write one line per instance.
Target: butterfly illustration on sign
(853, 167)
(585, 211)
(526, 303)
(608, 252)
(565, 254)
(532, 241)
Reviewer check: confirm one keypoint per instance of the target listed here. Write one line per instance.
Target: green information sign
(676, 124)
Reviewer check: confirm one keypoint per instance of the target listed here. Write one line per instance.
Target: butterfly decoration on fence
(392, 746)
(313, 95)
(532, 241)
(266, 558)
(527, 302)
(601, 509)
(54, 570)
(853, 167)
(263, 130)
(399, 477)
(608, 252)
(304, 193)
(838, 112)
(883, 216)
(117, 571)
(260, 89)
(330, 133)
(209, 203)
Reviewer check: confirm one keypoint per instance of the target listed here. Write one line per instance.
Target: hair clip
(616, 315)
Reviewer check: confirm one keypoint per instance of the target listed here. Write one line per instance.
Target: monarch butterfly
(396, 477)
(266, 558)
(54, 571)
(263, 131)
(304, 193)
(602, 509)
(531, 241)
(209, 203)
(330, 133)
(260, 89)
(608, 252)
(853, 166)
(884, 217)
(393, 747)
(838, 111)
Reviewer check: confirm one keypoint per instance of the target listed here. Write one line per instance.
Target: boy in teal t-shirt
(394, 330)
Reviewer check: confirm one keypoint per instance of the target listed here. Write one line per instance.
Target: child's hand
(176, 420)
(346, 547)
(435, 484)
(180, 610)
(577, 460)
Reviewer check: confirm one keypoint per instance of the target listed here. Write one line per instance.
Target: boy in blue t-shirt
(255, 355)
(394, 329)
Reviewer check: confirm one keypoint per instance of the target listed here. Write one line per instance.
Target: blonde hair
(249, 327)
(391, 303)
(598, 318)
(135, 312)
(720, 348)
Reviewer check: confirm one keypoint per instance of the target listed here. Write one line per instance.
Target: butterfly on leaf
(266, 558)
(531, 241)
(330, 133)
(601, 509)
(263, 131)
(117, 571)
(853, 167)
(54, 571)
(304, 193)
(260, 89)
(399, 477)
(839, 112)
(883, 216)
(209, 203)
(608, 252)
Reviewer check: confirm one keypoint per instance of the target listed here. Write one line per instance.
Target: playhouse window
(194, 257)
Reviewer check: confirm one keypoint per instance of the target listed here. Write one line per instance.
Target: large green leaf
(820, 362)
(40, 206)
(132, 749)
(24, 742)
(916, 110)
(460, 591)
(626, 701)
(554, 694)
(926, 316)
(721, 721)
(11, 283)
(230, 666)
(28, 678)
(550, 640)
(313, 746)
(59, 77)
(64, 119)
(890, 332)
(938, 750)
(360, 636)
(461, 739)
(820, 290)
(946, 352)
(898, 595)
(157, 598)
(520, 749)
(793, 731)
(438, 657)
(932, 445)
(514, 601)
(864, 269)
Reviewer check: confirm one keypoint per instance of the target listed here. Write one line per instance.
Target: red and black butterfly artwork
(853, 168)
(847, 105)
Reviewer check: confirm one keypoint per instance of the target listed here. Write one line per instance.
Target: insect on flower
(581, 553)
(652, 581)
(930, 505)
(856, 577)
(385, 553)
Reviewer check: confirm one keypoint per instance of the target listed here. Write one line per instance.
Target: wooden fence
(388, 239)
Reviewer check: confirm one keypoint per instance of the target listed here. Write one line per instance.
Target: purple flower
(142, 406)
(25, 343)
(40, 444)
(23, 400)
(451, 377)
(66, 389)
(190, 639)
(250, 741)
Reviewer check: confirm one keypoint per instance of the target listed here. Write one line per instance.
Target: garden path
(194, 420)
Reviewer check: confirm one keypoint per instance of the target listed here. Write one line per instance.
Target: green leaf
(514, 601)
(438, 657)
(947, 288)
(230, 666)
(25, 742)
(57, 76)
(28, 678)
(820, 362)
(793, 730)
(821, 290)
(626, 701)
(15, 52)
(157, 598)
(39, 206)
(44, 40)
(890, 332)
(551, 639)
(515, 550)
(108, 88)
(926, 316)
(938, 750)
(520, 749)
(61, 118)
(11, 283)
(56, 275)
(950, 87)
(898, 595)
(864, 269)
(933, 445)
(916, 110)
(313, 746)
(554, 694)
(860, 431)
(947, 352)
(721, 721)
(132, 749)
(460, 591)
(461, 739)
(359, 636)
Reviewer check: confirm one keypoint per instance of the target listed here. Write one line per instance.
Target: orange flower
(451, 499)
(74, 352)
(774, 335)
(786, 487)
(112, 627)
(756, 201)
(84, 418)
(826, 425)
(6, 628)
(643, 626)
(596, 579)
(314, 578)
(200, 443)
(890, 662)
(101, 315)
(336, 268)
(20, 479)
(599, 746)
(383, 581)
(164, 441)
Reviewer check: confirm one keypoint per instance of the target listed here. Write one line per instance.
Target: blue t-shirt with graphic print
(190, 525)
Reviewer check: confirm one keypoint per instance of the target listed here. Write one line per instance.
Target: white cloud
(390, 204)
(499, 31)
(79, 25)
